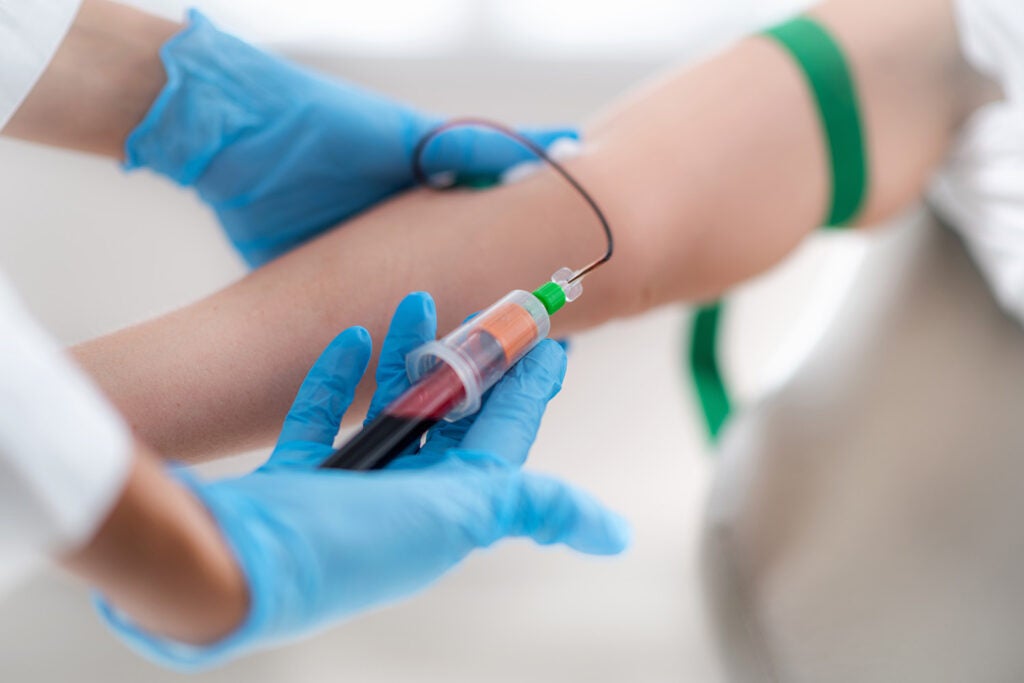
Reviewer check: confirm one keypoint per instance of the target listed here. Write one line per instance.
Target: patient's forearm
(219, 375)
(709, 176)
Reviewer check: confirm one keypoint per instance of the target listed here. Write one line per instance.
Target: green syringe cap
(551, 295)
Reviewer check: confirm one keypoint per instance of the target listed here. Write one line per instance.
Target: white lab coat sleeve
(64, 451)
(30, 33)
(980, 189)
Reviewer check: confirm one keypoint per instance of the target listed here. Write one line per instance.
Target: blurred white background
(92, 249)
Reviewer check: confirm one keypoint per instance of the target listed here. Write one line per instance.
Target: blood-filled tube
(449, 376)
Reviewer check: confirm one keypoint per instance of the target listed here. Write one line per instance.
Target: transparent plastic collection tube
(450, 375)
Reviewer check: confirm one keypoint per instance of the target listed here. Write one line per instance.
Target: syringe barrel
(484, 348)
(449, 377)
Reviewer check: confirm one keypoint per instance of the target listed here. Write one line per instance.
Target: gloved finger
(447, 434)
(508, 422)
(414, 323)
(550, 511)
(450, 434)
(535, 506)
(481, 152)
(328, 390)
(453, 434)
(440, 438)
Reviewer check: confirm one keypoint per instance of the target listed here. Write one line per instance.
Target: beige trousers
(867, 521)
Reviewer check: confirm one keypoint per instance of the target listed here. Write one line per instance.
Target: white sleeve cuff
(992, 36)
(30, 33)
(64, 452)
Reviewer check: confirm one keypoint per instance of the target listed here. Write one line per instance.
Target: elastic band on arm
(823, 64)
(828, 74)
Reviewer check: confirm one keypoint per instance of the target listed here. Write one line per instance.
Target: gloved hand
(318, 546)
(281, 153)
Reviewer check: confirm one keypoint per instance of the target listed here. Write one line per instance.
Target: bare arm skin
(710, 175)
(159, 558)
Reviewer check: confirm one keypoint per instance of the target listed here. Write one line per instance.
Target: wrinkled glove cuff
(210, 100)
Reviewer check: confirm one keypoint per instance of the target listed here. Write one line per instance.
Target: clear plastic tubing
(450, 376)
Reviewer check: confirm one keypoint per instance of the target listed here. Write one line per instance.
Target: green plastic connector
(478, 182)
(551, 295)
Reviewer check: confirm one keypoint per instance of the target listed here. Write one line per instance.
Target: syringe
(450, 376)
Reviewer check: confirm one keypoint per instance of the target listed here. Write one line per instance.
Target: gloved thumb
(550, 511)
(414, 324)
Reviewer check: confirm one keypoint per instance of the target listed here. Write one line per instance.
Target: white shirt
(64, 451)
(980, 191)
(30, 32)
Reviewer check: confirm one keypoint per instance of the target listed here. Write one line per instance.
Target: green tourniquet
(714, 398)
(551, 295)
(828, 74)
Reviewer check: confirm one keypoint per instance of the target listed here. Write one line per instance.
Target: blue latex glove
(281, 153)
(318, 546)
